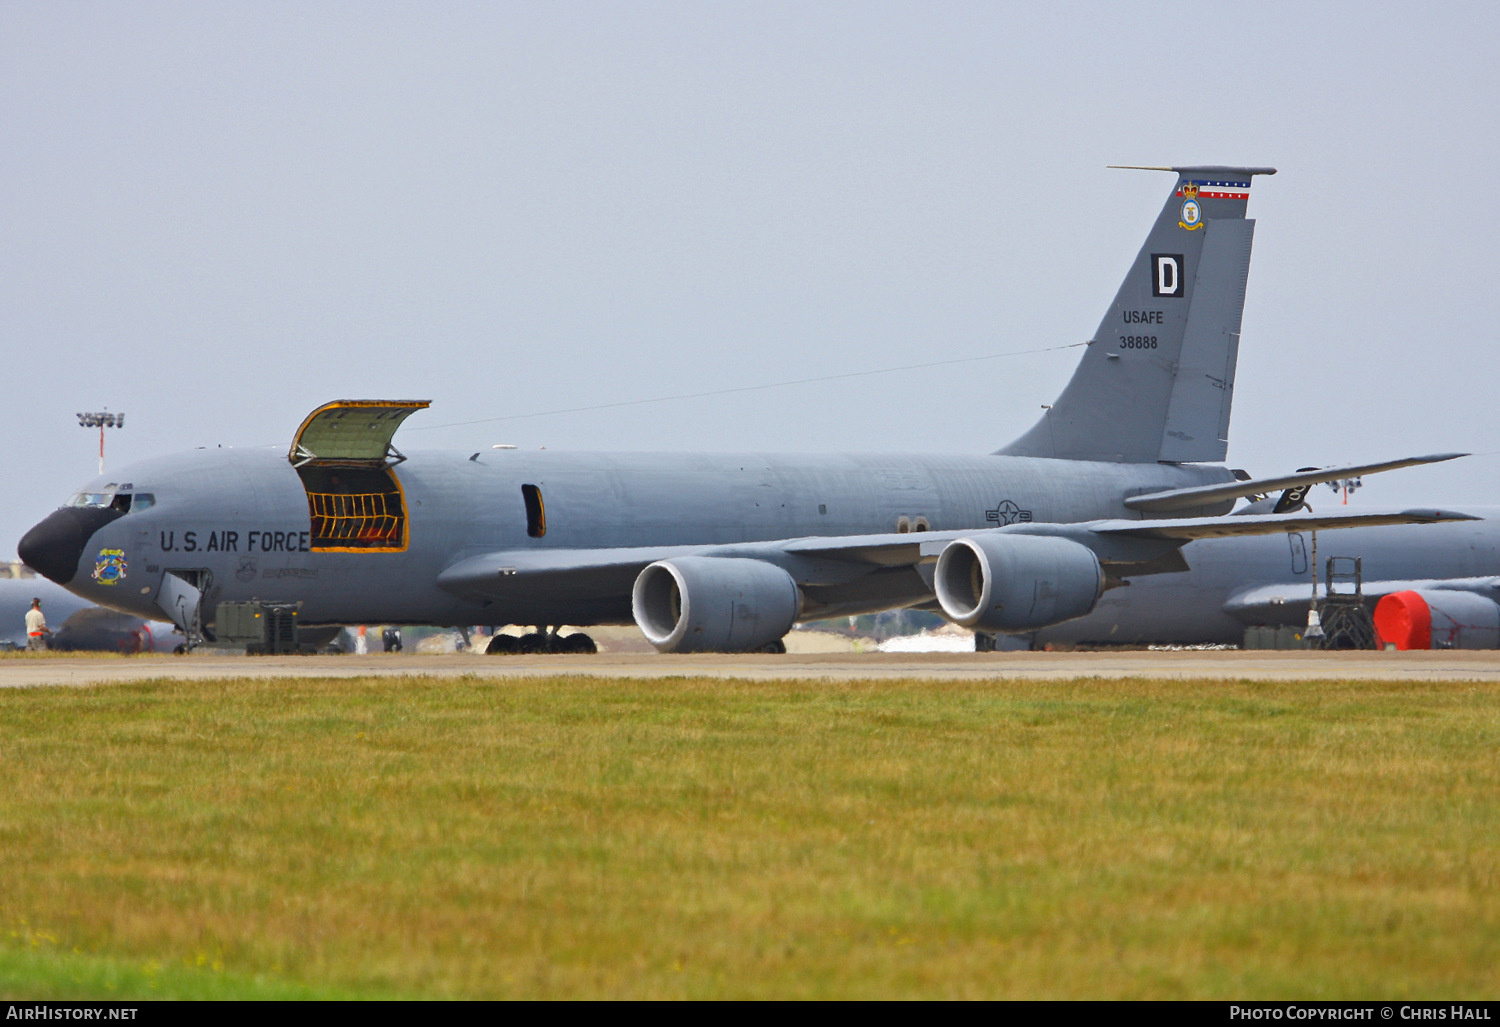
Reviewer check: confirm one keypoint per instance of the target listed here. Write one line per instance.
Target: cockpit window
(122, 502)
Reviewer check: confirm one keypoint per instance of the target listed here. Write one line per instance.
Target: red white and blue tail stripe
(1218, 188)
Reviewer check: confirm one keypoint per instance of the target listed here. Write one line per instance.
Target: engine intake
(695, 604)
(1016, 582)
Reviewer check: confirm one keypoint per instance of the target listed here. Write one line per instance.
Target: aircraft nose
(54, 546)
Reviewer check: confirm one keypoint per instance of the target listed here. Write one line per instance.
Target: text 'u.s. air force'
(232, 542)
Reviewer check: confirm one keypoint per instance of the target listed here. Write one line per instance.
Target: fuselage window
(536, 512)
(144, 501)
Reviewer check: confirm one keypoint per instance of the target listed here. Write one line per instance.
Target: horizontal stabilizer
(1197, 169)
(1186, 529)
(1203, 495)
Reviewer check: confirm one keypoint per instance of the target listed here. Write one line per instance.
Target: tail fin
(1156, 382)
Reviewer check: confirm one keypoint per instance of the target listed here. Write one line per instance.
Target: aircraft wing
(507, 573)
(1202, 495)
(564, 573)
(842, 565)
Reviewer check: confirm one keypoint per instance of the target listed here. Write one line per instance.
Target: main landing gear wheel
(502, 644)
(578, 642)
(984, 642)
(776, 648)
(535, 642)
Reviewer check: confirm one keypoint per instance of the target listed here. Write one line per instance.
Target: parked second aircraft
(1434, 588)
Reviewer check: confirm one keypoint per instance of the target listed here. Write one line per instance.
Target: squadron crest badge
(1192, 214)
(109, 568)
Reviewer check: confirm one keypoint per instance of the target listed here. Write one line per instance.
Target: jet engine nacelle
(1016, 582)
(1435, 618)
(695, 604)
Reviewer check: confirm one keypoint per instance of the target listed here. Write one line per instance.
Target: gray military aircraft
(17, 590)
(1442, 581)
(727, 552)
(76, 624)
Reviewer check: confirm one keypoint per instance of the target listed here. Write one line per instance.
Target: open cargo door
(343, 454)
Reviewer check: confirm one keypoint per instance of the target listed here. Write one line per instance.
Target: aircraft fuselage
(237, 522)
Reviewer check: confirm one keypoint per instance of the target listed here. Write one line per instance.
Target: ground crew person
(36, 627)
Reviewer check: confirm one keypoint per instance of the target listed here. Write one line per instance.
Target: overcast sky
(218, 216)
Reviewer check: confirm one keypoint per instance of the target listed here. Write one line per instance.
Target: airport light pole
(101, 420)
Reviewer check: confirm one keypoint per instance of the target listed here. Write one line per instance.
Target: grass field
(580, 837)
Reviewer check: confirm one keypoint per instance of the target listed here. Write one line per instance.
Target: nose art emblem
(109, 568)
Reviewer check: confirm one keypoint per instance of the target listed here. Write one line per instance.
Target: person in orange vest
(36, 627)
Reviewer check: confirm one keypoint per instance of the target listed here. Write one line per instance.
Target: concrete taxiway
(21, 671)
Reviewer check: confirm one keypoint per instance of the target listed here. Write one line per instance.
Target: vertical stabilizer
(1156, 382)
